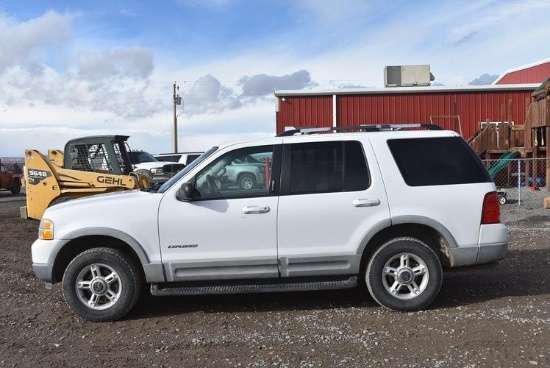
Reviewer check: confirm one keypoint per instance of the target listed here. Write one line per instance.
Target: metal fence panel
(521, 181)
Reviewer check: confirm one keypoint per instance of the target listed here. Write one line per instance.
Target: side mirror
(187, 192)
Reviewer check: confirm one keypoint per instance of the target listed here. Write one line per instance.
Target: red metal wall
(307, 111)
(356, 109)
(534, 74)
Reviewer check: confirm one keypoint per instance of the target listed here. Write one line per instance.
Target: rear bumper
(491, 253)
(493, 243)
(492, 246)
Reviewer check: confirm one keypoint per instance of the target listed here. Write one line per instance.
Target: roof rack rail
(361, 128)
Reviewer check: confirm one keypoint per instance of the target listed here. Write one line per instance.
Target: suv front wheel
(247, 181)
(404, 274)
(101, 284)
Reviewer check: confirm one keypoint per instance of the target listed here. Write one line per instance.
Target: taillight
(491, 209)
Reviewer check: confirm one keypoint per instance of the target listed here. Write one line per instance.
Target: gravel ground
(498, 317)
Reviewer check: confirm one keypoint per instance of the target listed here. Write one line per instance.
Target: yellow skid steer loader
(87, 166)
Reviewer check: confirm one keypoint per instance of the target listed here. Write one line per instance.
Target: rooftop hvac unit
(407, 76)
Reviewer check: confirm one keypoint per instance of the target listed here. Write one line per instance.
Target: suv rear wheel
(101, 284)
(404, 274)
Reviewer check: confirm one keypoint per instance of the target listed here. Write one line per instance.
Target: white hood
(148, 165)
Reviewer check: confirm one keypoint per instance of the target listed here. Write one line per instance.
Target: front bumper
(43, 272)
(43, 257)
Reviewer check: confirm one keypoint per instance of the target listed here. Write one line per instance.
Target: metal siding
(355, 109)
(534, 74)
(472, 108)
(308, 111)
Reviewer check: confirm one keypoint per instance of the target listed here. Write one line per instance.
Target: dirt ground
(497, 317)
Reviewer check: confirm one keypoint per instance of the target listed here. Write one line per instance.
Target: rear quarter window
(437, 161)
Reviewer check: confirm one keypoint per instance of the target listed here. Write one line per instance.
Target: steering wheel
(212, 185)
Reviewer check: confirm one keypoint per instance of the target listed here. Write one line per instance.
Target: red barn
(532, 73)
(462, 109)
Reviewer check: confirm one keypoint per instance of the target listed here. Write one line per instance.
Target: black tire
(104, 277)
(16, 189)
(404, 274)
(247, 181)
(502, 200)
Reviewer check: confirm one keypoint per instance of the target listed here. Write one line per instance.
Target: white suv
(385, 209)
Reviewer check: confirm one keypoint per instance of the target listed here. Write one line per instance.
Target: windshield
(187, 168)
(137, 157)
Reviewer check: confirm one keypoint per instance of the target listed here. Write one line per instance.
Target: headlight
(45, 230)
(156, 170)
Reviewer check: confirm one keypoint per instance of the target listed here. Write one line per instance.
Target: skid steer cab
(87, 166)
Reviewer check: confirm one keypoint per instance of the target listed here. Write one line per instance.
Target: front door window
(240, 173)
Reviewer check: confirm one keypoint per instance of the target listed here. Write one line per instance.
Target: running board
(172, 290)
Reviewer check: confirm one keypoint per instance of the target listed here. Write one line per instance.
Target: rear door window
(321, 167)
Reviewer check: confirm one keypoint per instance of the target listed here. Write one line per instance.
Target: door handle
(251, 210)
(366, 202)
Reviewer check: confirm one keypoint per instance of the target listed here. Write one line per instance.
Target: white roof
(398, 90)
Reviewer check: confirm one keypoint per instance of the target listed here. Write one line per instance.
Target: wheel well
(247, 173)
(79, 245)
(421, 232)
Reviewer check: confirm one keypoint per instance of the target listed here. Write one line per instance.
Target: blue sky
(75, 68)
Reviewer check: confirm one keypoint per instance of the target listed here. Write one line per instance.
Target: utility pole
(177, 101)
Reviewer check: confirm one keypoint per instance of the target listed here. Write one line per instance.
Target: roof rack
(361, 128)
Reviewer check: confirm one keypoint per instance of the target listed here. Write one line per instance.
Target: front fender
(113, 233)
(153, 270)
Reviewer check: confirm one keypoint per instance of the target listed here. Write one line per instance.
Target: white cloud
(263, 84)
(34, 40)
(151, 133)
(133, 62)
(208, 95)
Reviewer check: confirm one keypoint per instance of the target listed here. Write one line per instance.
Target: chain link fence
(520, 182)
